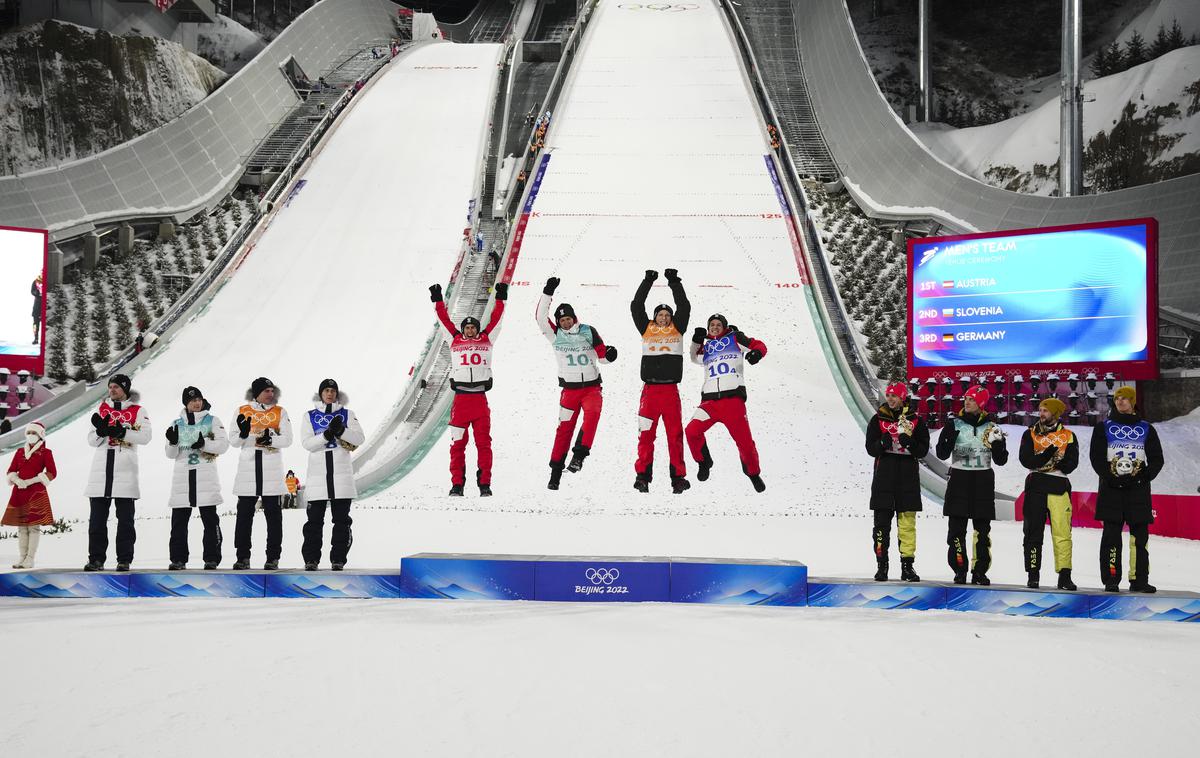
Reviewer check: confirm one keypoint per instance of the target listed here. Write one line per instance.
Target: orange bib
(259, 420)
(1060, 438)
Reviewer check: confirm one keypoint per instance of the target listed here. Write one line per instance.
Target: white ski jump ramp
(334, 287)
(658, 162)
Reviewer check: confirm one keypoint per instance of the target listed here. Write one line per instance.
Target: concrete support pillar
(924, 72)
(1070, 138)
(91, 251)
(54, 269)
(166, 230)
(124, 241)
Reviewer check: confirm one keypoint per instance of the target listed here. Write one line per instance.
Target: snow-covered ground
(1163, 13)
(657, 162)
(1032, 138)
(373, 678)
(227, 44)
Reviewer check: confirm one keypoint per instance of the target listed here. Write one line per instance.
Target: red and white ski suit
(470, 378)
(723, 397)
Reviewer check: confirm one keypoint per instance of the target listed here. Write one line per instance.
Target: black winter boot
(271, 566)
(176, 566)
(94, 566)
(1064, 581)
(241, 565)
(907, 572)
(759, 485)
(1141, 585)
(881, 572)
(456, 490)
(980, 578)
(960, 577)
(704, 465)
(1035, 580)
(641, 485)
(679, 484)
(310, 566)
(556, 469)
(578, 453)
(485, 490)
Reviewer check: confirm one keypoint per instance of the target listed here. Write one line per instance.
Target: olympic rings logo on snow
(665, 7)
(602, 575)
(1127, 432)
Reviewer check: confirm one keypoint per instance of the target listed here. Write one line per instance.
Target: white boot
(35, 536)
(22, 546)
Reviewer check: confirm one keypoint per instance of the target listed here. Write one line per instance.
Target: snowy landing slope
(326, 290)
(657, 162)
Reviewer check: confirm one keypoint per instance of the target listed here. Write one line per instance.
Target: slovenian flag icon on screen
(947, 313)
(947, 338)
(948, 284)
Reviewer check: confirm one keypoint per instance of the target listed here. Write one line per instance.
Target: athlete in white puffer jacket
(264, 429)
(194, 440)
(329, 432)
(119, 425)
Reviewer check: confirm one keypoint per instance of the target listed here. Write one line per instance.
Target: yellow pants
(1060, 529)
(906, 527)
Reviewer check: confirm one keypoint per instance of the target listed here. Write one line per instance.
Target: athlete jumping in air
(662, 370)
(578, 348)
(723, 350)
(470, 378)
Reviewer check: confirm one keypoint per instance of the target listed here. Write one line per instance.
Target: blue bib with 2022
(969, 451)
(189, 433)
(320, 421)
(1126, 442)
(722, 356)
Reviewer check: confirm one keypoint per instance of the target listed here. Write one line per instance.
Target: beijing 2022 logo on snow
(601, 582)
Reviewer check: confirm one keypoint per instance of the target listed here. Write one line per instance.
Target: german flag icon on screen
(947, 338)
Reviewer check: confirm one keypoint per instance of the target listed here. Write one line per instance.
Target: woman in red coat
(32, 468)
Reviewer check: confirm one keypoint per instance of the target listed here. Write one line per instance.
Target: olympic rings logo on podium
(664, 7)
(602, 575)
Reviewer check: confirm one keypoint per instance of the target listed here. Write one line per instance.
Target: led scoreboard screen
(1069, 298)
(23, 299)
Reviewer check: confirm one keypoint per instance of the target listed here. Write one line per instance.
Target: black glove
(328, 434)
(435, 293)
(1000, 445)
(337, 426)
(173, 434)
(885, 442)
(651, 275)
(199, 443)
(116, 432)
(952, 434)
(501, 291)
(698, 334)
(610, 353)
(905, 440)
(99, 423)
(551, 285)
(243, 425)
(672, 275)
(753, 357)
(264, 439)
(1119, 482)
(1139, 479)
(1050, 452)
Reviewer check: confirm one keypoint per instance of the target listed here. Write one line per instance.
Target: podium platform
(605, 579)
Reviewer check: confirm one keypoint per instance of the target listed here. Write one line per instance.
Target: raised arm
(497, 310)
(637, 307)
(542, 312)
(683, 307)
(439, 306)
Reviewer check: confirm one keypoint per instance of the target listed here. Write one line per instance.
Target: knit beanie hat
(1127, 392)
(1054, 405)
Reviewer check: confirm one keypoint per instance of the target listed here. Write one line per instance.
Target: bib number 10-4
(720, 369)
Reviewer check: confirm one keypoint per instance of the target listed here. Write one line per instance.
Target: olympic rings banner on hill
(1075, 298)
(661, 7)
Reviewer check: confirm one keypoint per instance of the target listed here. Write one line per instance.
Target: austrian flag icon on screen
(948, 284)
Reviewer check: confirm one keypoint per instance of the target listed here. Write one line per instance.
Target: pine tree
(56, 357)
(1175, 38)
(1135, 50)
(1116, 59)
(1160, 45)
(1100, 64)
